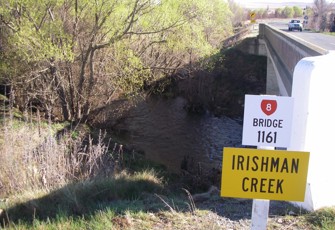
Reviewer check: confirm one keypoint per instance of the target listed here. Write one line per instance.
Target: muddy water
(167, 134)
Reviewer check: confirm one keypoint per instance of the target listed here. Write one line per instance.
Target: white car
(295, 25)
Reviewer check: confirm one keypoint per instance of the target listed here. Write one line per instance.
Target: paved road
(324, 41)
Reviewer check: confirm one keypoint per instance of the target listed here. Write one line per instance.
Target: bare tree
(321, 9)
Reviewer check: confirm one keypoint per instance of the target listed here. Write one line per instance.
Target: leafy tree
(288, 12)
(262, 13)
(279, 13)
(73, 57)
(34, 40)
(298, 12)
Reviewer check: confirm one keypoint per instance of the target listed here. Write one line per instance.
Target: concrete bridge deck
(284, 53)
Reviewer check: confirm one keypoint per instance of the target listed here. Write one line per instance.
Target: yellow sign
(253, 17)
(264, 174)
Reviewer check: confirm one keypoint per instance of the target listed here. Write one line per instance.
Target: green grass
(126, 201)
(131, 201)
(88, 200)
(323, 218)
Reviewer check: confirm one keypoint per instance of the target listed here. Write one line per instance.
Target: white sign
(267, 121)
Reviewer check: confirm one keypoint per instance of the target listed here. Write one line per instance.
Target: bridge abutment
(272, 87)
(305, 72)
(313, 127)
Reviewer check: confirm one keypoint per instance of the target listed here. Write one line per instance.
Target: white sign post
(267, 124)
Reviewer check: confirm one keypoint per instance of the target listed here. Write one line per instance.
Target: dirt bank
(221, 89)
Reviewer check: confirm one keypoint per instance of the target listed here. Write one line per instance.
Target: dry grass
(60, 178)
(34, 157)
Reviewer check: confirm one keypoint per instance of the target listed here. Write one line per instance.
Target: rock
(212, 191)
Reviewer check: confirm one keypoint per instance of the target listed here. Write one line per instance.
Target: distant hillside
(257, 5)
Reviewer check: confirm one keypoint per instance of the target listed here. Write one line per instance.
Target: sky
(273, 3)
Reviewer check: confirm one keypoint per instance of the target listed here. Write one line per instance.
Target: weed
(166, 203)
(323, 218)
(191, 203)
